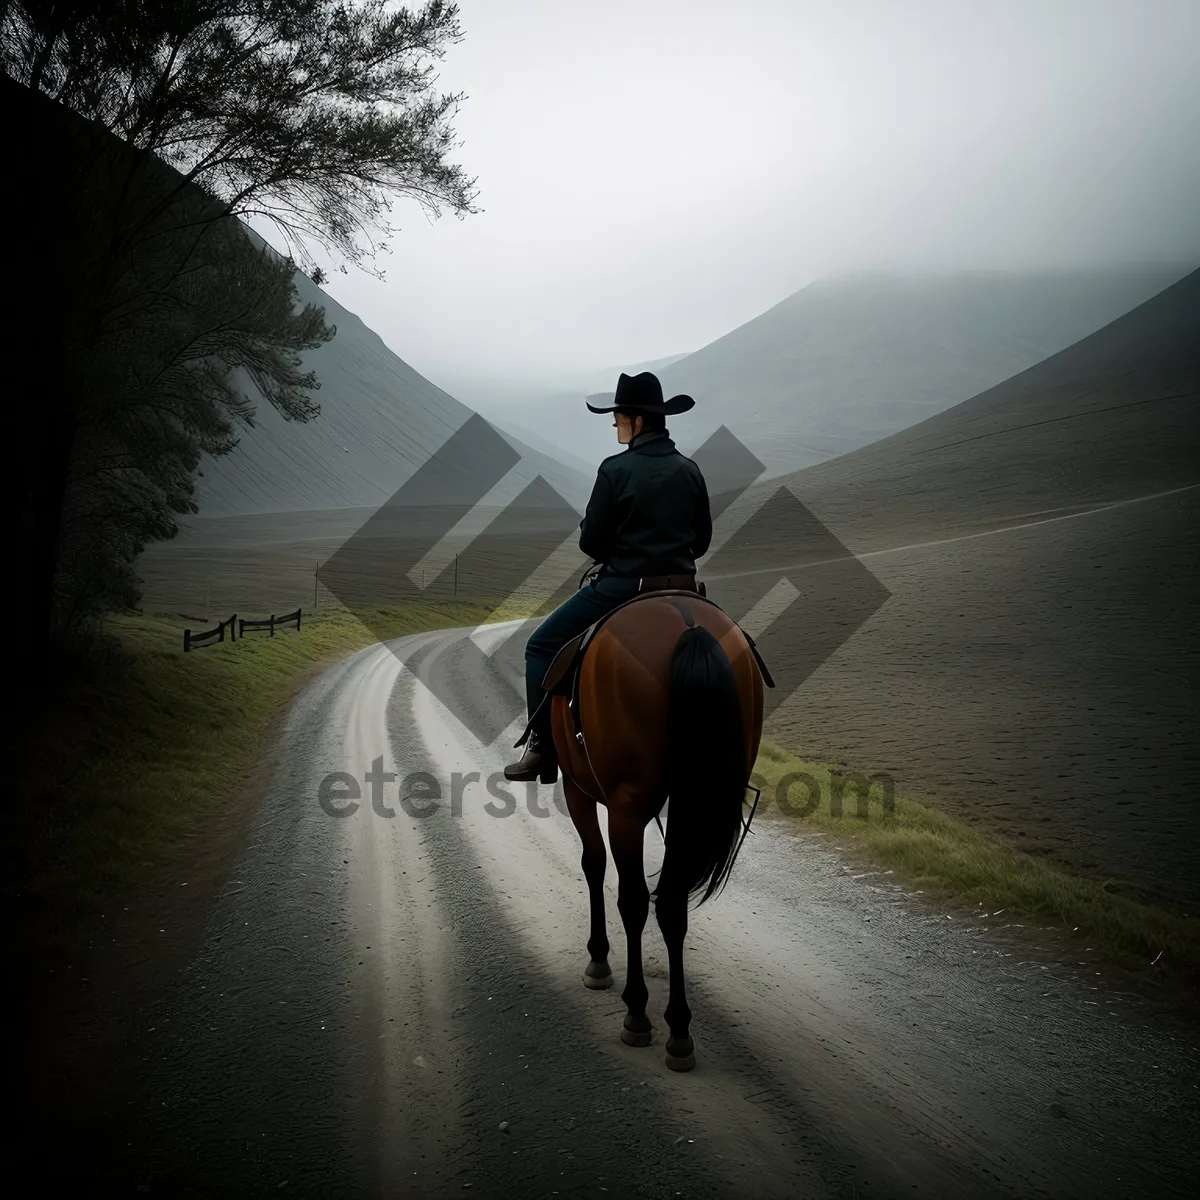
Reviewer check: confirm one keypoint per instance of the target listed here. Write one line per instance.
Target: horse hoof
(635, 1037)
(597, 976)
(680, 1056)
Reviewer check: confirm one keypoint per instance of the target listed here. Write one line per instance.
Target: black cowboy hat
(643, 393)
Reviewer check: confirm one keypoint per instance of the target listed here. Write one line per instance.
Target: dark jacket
(649, 513)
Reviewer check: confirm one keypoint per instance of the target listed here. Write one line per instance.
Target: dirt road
(391, 1005)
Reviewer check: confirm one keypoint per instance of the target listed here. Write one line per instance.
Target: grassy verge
(144, 752)
(957, 862)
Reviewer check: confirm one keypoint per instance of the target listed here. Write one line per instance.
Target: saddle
(562, 679)
(557, 680)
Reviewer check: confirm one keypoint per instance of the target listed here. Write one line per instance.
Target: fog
(655, 173)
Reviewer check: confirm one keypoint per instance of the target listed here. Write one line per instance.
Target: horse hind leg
(633, 901)
(597, 974)
(671, 910)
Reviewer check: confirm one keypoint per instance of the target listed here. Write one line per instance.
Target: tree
(168, 384)
(312, 113)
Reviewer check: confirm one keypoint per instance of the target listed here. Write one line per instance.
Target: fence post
(187, 640)
(272, 624)
(298, 614)
(233, 628)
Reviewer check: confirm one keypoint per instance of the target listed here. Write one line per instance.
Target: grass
(952, 860)
(139, 757)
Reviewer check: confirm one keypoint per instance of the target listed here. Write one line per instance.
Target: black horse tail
(706, 768)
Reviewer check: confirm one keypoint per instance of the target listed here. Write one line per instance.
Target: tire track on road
(582, 1116)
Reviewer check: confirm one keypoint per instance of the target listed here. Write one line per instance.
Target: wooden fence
(269, 623)
(237, 629)
(193, 641)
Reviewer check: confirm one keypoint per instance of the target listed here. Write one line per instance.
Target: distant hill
(1036, 662)
(521, 436)
(380, 421)
(847, 361)
(1112, 416)
(289, 495)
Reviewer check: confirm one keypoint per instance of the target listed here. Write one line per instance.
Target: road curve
(391, 1005)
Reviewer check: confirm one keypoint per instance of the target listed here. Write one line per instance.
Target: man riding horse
(646, 524)
(666, 704)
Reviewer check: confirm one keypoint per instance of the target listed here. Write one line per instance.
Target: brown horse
(670, 704)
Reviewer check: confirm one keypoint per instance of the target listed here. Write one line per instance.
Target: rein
(746, 823)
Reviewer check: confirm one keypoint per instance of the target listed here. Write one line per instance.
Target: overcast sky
(653, 173)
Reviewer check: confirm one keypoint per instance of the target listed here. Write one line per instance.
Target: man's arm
(599, 524)
(703, 520)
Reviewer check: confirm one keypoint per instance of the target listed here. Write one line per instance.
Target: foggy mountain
(1034, 664)
(1113, 415)
(380, 421)
(847, 361)
(289, 495)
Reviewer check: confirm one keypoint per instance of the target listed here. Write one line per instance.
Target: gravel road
(391, 1005)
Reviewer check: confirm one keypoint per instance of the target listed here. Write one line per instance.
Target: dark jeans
(571, 617)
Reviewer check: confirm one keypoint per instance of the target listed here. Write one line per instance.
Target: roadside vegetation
(145, 747)
(954, 862)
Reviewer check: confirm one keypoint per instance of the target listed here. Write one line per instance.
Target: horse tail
(706, 767)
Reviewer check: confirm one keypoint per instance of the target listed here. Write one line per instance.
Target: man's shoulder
(690, 466)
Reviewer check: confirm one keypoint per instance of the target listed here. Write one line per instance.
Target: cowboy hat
(643, 393)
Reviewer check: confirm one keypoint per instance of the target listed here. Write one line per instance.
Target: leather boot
(538, 762)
